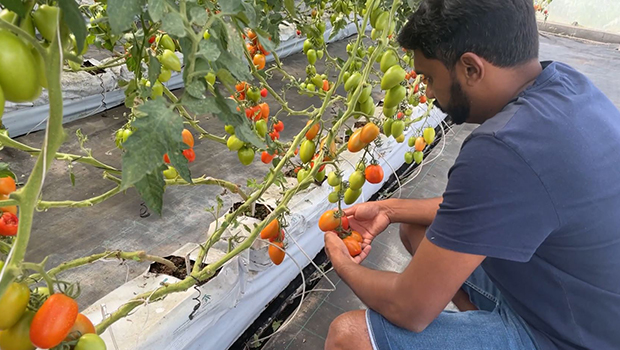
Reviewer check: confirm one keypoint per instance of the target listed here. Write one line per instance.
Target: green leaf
(157, 133)
(250, 14)
(236, 44)
(5, 171)
(290, 7)
(229, 116)
(121, 14)
(196, 89)
(72, 16)
(208, 50)
(154, 69)
(232, 6)
(151, 189)
(173, 24)
(225, 77)
(198, 15)
(14, 5)
(264, 40)
(238, 68)
(200, 105)
(156, 9)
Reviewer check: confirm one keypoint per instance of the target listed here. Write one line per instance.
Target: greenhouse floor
(64, 234)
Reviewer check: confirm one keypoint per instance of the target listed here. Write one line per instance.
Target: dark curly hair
(503, 32)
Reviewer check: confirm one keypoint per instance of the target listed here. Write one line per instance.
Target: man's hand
(338, 253)
(369, 219)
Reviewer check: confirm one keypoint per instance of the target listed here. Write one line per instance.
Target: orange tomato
(352, 245)
(252, 49)
(374, 173)
(7, 185)
(313, 131)
(325, 85)
(241, 86)
(264, 110)
(259, 61)
(355, 144)
(81, 326)
(369, 133)
(188, 138)
(265, 157)
(251, 34)
(276, 252)
(357, 236)
(420, 144)
(10, 209)
(271, 230)
(328, 221)
(331, 152)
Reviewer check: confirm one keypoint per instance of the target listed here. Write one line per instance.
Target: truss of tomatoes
(275, 234)
(8, 216)
(337, 221)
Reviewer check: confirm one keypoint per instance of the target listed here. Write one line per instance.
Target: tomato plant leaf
(198, 15)
(200, 105)
(173, 24)
(236, 44)
(156, 9)
(151, 189)
(208, 50)
(249, 12)
(72, 16)
(225, 77)
(290, 7)
(5, 171)
(229, 116)
(154, 69)
(158, 132)
(16, 6)
(238, 68)
(121, 14)
(196, 89)
(232, 6)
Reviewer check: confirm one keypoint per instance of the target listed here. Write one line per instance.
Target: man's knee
(348, 331)
(411, 235)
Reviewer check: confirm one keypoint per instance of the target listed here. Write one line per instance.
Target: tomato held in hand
(353, 246)
(7, 185)
(81, 326)
(328, 221)
(374, 173)
(8, 224)
(271, 230)
(90, 342)
(276, 252)
(189, 154)
(357, 236)
(13, 304)
(188, 138)
(53, 321)
(18, 336)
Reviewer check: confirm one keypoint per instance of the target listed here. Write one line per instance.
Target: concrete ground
(308, 329)
(64, 234)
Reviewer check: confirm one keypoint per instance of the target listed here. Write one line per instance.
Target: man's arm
(414, 298)
(412, 211)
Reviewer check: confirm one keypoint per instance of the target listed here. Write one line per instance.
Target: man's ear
(471, 68)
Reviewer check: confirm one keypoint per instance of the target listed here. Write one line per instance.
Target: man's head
(467, 48)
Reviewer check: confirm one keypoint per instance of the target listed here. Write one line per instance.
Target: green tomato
(357, 180)
(170, 173)
(368, 107)
(321, 27)
(302, 174)
(317, 80)
(401, 138)
(320, 176)
(164, 75)
(333, 179)
(245, 155)
(319, 54)
(389, 111)
(374, 15)
(18, 336)
(387, 127)
(365, 95)
(126, 134)
(311, 55)
(394, 96)
(170, 61)
(393, 77)
(371, 50)
(353, 81)
(45, 18)
(253, 94)
(414, 100)
(13, 304)
(261, 127)
(307, 45)
(306, 151)
(388, 60)
(398, 127)
(346, 76)
(8, 16)
(374, 34)
(206, 35)
(333, 197)
(1, 111)
(28, 26)
(408, 112)
(418, 157)
(18, 69)
(210, 78)
(349, 48)
(234, 144)
(229, 129)
(311, 87)
(409, 157)
(361, 52)
(167, 43)
(157, 90)
(42, 291)
(429, 135)
(350, 196)
(382, 21)
(411, 141)
(90, 341)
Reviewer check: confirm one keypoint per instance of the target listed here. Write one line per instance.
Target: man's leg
(411, 235)
(349, 331)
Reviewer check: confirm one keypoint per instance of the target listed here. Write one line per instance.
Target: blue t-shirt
(536, 189)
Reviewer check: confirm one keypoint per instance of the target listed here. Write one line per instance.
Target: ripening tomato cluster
(256, 50)
(337, 221)
(313, 49)
(419, 144)
(8, 218)
(189, 154)
(250, 98)
(275, 234)
(56, 321)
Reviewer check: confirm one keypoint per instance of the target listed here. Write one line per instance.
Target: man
(526, 239)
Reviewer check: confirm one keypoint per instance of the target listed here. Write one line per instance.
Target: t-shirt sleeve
(494, 205)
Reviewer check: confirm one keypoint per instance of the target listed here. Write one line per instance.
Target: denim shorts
(495, 326)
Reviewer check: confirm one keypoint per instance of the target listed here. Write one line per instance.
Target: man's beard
(458, 108)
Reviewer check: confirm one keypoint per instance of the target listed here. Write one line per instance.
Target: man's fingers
(350, 211)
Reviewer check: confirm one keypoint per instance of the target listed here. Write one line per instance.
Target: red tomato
(166, 159)
(275, 253)
(53, 321)
(279, 126)
(152, 39)
(344, 222)
(271, 230)
(416, 88)
(312, 163)
(325, 85)
(278, 238)
(188, 138)
(374, 173)
(189, 154)
(274, 135)
(81, 326)
(423, 99)
(265, 157)
(7, 185)
(263, 92)
(8, 224)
